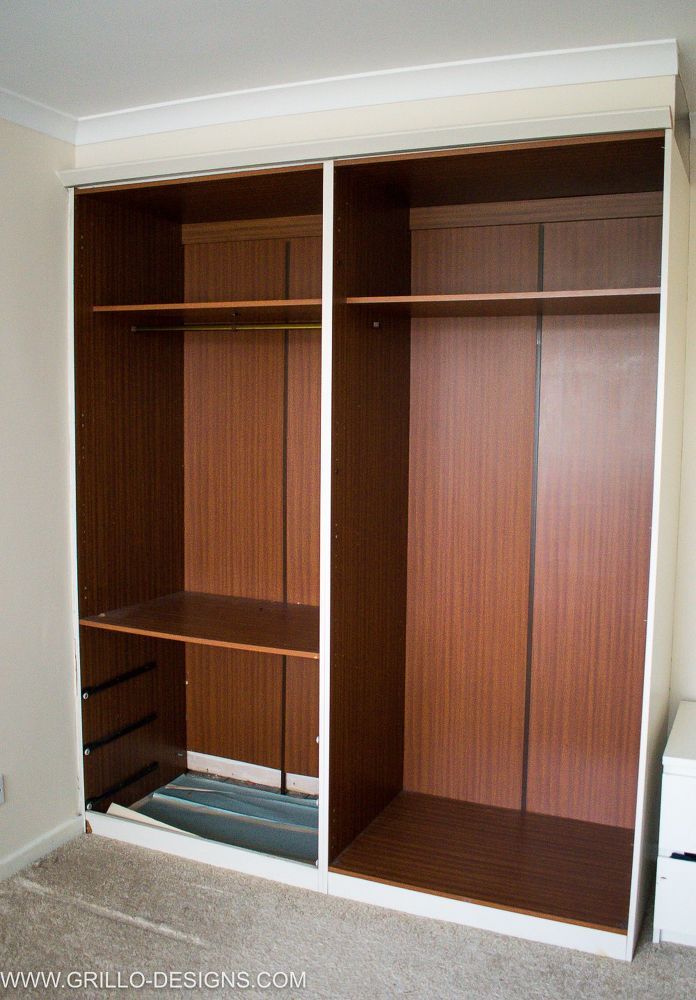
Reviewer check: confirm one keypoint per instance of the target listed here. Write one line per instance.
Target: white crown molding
(367, 144)
(39, 117)
(473, 76)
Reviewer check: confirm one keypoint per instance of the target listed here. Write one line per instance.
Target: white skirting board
(208, 852)
(41, 846)
(487, 918)
(243, 771)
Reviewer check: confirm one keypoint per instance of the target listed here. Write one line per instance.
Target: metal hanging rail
(231, 327)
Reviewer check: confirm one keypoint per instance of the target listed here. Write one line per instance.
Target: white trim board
(522, 71)
(486, 918)
(41, 846)
(207, 852)
(241, 770)
(284, 154)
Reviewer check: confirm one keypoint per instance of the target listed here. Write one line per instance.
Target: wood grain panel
(247, 194)
(563, 303)
(369, 512)
(233, 702)
(252, 229)
(304, 270)
(234, 404)
(482, 259)
(499, 213)
(303, 466)
(592, 555)
(302, 717)
(234, 495)
(568, 168)
(245, 269)
(302, 514)
(161, 691)
(605, 253)
(470, 485)
(129, 404)
(555, 868)
(212, 620)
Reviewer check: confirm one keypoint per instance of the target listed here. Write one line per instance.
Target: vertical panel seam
(532, 531)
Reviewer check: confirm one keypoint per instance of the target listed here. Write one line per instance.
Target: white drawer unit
(675, 893)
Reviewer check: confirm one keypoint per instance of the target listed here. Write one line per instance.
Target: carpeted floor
(105, 907)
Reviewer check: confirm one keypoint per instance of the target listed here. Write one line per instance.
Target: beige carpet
(103, 907)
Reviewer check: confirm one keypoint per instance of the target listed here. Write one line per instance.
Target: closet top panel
(256, 194)
(587, 165)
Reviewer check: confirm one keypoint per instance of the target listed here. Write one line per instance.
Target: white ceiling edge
(365, 145)
(635, 60)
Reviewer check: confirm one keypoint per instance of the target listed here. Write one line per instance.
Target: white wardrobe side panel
(325, 521)
(668, 454)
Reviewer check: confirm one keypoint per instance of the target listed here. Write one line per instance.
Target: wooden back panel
(596, 443)
(470, 492)
(252, 495)
(475, 259)
(472, 436)
(603, 253)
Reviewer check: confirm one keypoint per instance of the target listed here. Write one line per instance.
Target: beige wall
(37, 725)
(684, 651)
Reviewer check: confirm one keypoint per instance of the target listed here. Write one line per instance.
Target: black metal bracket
(87, 692)
(114, 789)
(95, 744)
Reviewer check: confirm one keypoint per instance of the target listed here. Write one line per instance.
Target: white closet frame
(670, 388)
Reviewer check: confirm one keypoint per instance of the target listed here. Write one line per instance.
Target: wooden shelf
(213, 620)
(247, 311)
(592, 300)
(546, 866)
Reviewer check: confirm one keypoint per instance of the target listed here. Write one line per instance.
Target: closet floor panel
(545, 866)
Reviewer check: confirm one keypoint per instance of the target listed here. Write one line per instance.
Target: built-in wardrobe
(451, 360)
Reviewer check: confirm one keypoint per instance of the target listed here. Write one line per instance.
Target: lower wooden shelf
(545, 866)
(215, 620)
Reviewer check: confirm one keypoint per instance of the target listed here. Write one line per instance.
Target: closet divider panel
(472, 440)
(596, 442)
(369, 508)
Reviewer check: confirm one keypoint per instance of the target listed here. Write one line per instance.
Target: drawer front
(678, 815)
(675, 896)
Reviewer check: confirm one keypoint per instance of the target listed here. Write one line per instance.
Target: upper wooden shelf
(213, 620)
(246, 311)
(589, 300)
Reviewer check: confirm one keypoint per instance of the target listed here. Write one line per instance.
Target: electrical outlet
(2, 788)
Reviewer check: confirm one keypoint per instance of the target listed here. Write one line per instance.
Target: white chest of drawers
(675, 893)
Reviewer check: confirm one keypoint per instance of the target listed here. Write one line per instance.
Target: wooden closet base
(540, 865)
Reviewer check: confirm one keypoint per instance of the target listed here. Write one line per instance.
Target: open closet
(197, 394)
(495, 363)
(446, 371)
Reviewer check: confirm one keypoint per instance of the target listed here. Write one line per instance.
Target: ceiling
(94, 57)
